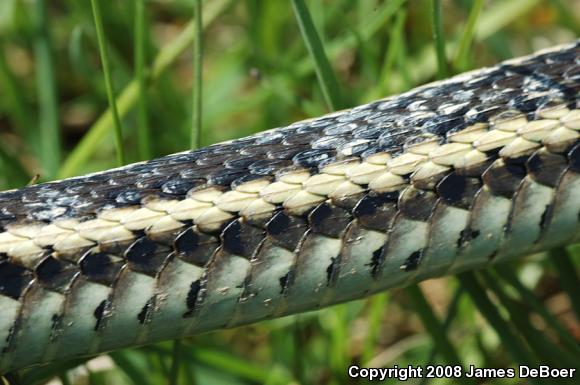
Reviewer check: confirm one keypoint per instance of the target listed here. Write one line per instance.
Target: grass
(197, 76)
(104, 54)
(266, 64)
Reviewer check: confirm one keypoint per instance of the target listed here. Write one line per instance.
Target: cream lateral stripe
(297, 190)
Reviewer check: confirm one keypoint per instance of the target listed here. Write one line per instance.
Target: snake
(452, 176)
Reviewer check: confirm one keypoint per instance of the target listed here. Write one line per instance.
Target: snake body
(455, 175)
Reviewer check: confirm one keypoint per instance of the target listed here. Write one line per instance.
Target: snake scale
(451, 176)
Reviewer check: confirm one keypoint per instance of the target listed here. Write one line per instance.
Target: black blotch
(457, 190)
(99, 312)
(13, 279)
(195, 247)
(467, 235)
(143, 314)
(376, 261)
(332, 270)
(376, 211)
(191, 299)
(146, 256)
(100, 268)
(284, 281)
(55, 274)
(504, 178)
(286, 230)
(278, 224)
(329, 220)
(417, 204)
(412, 261)
(242, 239)
(55, 321)
(546, 167)
(8, 341)
(349, 202)
(546, 216)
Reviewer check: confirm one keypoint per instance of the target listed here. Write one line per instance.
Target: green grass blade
(449, 318)
(175, 363)
(377, 306)
(568, 19)
(12, 172)
(144, 134)
(462, 55)
(568, 276)
(324, 72)
(108, 81)
(439, 39)
(540, 345)
(14, 98)
(512, 341)
(393, 51)
(230, 364)
(338, 345)
(423, 65)
(197, 76)
(508, 275)
(40, 374)
(500, 15)
(91, 142)
(63, 378)
(50, 148)
(133, 366)
(371, 26)
(435, 329)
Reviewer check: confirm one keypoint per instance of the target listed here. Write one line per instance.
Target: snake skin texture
(451, 176)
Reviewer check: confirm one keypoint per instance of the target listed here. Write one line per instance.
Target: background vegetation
(266, 65)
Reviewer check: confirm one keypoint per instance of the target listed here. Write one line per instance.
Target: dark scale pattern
(56, 274)
(146, 257)
(546, 167)
(219, 275)
(375, 211)
(503, 179)
(240, 238)
(329, 220)
(14, 279)
(195, 247)
(392, 123)
(100, 267)
(286, 230)
(457, 190)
